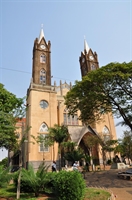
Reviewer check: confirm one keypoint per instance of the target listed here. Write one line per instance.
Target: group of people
(75, 166)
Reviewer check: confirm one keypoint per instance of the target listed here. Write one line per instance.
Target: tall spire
(86, 47)
(41, 34)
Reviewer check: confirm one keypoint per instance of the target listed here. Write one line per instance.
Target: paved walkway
(108, 179)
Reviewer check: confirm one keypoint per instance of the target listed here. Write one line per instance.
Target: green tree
(5, 176)
(119, 148)
(107, 146)
(11, 108)
(69, 185)
(4, 162)
(101, 91)
(87, 159)
(75, 155)
(124, 146)
(72, 152)
(58, 134)
(69, 146)
(18, 150)
(92, 142)
(34, 180)
(44, 140)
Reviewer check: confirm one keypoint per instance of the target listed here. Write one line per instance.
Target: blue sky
(106, 25)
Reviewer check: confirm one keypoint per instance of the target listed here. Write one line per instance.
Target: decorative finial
(84, 37)
(41, 34)
(86, 47)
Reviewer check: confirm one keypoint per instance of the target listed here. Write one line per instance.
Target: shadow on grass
(10, 192)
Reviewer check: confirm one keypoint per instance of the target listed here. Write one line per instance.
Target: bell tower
(41, 113)
(88, 60)
(41, 72)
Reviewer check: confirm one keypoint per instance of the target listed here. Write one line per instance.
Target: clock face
(42, 46)
(91, 57)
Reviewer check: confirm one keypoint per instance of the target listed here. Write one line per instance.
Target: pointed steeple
(41, 72)
(41, 34)
(86, 47)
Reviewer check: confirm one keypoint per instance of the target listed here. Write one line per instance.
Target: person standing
(54, 166)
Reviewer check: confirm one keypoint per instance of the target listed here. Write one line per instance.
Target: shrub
(24, 186)
(49, 182)
(32, 181)
(109, 162)
(4, 162)
(69, 185)
(5, 177)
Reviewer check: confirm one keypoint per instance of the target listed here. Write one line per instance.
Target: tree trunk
(36, 194)
(104, 159)
(19, 177)
(18, 185)
(91, 161)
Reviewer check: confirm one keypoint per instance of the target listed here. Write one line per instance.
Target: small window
(43, 58)
(65, 118)
(42, 76)
(42, 79)
(106, 134)
(69, 119)
(76, 119)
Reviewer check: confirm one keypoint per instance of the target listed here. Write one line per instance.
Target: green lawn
(10, 192)
(96, 194)
(91, 194)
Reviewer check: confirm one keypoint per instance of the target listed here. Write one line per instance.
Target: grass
(96, 194)
(91, 194)
(10, 192)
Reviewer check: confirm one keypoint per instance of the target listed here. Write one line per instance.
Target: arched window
(84, 70)
(42, 58)
(93, 67)
(106, 133)
(42, 76)
(42, 130)
(69, 119)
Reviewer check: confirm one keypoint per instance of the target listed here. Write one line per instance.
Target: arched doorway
(89, 144)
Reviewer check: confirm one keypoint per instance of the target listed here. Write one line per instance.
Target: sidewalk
(109, 180)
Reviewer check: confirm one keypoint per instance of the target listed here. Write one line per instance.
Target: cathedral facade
(45, 106)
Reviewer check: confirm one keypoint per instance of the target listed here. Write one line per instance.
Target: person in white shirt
(75, 166)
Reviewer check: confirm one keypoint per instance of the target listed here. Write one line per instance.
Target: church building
(45, 106)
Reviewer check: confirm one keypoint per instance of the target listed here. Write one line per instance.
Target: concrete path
(121, 188)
